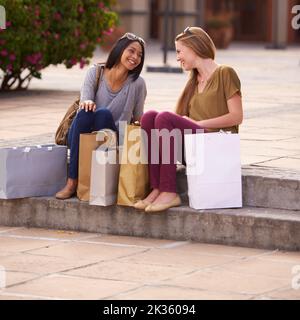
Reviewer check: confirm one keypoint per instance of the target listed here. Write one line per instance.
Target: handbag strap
(99, 73)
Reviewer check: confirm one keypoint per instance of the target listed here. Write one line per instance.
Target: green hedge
(40, 33)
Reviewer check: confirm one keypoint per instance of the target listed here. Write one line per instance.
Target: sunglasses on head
(187, 30)
(132, 36)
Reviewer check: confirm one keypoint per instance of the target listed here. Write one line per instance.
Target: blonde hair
(201, 43)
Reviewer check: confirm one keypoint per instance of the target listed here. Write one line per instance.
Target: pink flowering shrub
(42, 33)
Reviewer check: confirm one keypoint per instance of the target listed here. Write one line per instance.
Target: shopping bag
(134, 178)
(32, 171)
(213, 170)
(104, 177)
(105, 173)
(88, 143)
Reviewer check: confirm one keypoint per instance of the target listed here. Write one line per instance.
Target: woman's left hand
(199, 123)
(190, 119)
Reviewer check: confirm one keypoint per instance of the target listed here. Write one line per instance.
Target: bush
(110, 38)
(41, 33)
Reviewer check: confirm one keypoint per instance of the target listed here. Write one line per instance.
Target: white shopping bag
(105, 172)
(213, 168)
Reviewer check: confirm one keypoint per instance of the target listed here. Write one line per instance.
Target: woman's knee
(103, 113)
(162, 118)
(84, 118)
(148, 118)
(104, 119)
(83, 115)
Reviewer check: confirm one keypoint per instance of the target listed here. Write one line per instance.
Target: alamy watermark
(296, 278)
(2, 277)
(2, 18)
(167, 147)
(296, 19)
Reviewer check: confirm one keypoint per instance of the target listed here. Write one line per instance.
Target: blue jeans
(86, 122)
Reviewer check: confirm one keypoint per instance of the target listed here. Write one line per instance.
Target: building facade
(268, 21)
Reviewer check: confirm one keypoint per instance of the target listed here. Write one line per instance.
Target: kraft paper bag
(104, 177)
(32, 171)
(134, 177)
(88, 143)
(213, 170)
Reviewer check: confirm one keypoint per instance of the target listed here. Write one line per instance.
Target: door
(251, 20)
(154, 19)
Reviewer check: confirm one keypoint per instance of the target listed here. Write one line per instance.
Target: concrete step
(271, 188)
(247, 227)
(262, 187)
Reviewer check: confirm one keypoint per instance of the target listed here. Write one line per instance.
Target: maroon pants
(162, 154)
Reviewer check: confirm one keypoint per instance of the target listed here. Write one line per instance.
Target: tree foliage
(49, 32)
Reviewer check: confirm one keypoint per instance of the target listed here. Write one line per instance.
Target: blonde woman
(211, 100)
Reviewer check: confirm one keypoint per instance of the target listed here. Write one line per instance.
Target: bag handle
(108, 136)
(136, 123)
(224, 132)
(99, 73)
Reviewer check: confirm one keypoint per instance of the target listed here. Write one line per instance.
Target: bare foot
(152, 196)
(165, 197)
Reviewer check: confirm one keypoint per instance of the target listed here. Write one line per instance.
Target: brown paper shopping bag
(133, 178)
(88, 143)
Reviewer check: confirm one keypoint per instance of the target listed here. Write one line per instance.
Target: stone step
(263, 228)
(262, 187)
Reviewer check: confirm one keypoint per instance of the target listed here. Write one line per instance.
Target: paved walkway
(46, 264)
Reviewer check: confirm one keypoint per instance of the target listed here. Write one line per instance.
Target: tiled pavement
(48, 264)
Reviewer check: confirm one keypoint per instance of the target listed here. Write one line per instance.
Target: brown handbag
(65, 124)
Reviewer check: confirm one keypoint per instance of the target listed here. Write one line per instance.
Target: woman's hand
(190, 119)
(202, 124)
(88, 105)
(233, 118)
(199, 123)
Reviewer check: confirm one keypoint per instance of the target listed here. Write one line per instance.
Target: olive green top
(223, 84)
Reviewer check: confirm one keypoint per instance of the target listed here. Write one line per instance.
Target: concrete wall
(280, 23)
(185, 13)
(134, 16)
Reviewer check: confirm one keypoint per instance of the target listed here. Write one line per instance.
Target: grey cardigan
(124, 105)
